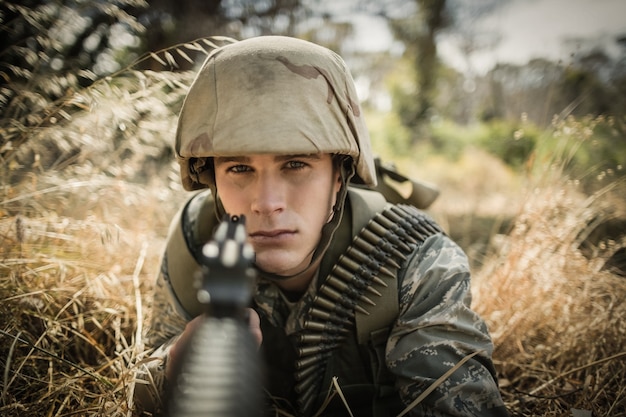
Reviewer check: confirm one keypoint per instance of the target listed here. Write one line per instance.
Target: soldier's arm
(435, 330)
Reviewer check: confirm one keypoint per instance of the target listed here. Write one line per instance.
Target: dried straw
(79, 250)
(556, 317)
(74, 294)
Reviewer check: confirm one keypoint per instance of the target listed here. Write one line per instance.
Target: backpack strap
(382, 221)
(193, 227)
(386, 308)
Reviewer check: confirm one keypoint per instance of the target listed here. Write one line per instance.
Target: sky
(526, 29)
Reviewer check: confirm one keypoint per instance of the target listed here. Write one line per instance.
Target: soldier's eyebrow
(225, 159)
(279, 158)
(299, 156)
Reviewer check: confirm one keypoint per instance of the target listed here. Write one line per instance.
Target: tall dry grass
(84, 207)
(78, 258)
(75, 291)
(84, 210)
(556, 313)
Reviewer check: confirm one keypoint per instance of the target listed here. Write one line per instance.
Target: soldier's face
(286, 201)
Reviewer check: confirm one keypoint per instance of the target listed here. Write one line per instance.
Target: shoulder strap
(386, 225)
(421, 194)
(192, 226)
(394, 234)
(386, 309)
(368, 202)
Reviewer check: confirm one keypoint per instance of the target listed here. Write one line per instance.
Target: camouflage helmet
(271, 95)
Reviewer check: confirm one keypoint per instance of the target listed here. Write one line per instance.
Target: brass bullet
(325, 315)
(304, 372)
(398, 228)
(324, 326)
(308, 382)
(316, 349)
(359, 282)
(348, 298)
(319, 338)
(376, 252)
(332, 306)
(311, 360)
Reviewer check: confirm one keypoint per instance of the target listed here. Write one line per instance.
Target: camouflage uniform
(433, 327)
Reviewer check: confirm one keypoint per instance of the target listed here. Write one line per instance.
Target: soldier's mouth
(272, 236)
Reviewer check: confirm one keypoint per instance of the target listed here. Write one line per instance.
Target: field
(81, 236)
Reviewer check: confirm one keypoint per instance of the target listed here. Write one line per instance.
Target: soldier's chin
(280, 267)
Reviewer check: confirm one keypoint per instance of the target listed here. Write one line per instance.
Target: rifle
(219, 371)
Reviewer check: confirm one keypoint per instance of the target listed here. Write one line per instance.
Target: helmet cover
(271, 95)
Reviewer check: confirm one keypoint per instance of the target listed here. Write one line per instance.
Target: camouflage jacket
(433, 330)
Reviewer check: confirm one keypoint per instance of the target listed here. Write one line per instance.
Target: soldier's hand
(254, 323)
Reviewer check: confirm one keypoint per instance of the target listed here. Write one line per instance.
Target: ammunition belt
(375, 255)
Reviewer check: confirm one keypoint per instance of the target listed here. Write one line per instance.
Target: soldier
(355, 295)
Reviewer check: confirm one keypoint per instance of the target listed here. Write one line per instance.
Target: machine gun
(219, 372)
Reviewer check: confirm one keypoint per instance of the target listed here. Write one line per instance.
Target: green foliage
(390, 138)
(450, 139)
(511, 142)
(588, 149)
(403, 89)
(584, 145)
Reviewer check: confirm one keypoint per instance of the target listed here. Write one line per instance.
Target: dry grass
(74, 292)
(557, 318)
(77, 266)
(556, 315)
(81, 235)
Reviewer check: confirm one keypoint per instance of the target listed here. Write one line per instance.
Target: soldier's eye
(239, 169)
(296, 165)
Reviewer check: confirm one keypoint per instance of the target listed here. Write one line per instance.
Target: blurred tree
(418, 34)
(595, 82)
(619, 83)
(171, 22)
(512, 90)
(593, 85)
(49, 50)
